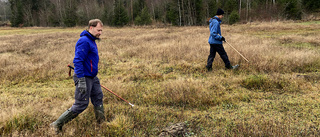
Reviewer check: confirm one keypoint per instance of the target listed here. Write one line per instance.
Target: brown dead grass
(162, 71)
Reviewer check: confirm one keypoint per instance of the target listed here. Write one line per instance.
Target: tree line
(71, 13)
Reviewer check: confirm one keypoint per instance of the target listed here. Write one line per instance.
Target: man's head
(95, 27)
(220, 13)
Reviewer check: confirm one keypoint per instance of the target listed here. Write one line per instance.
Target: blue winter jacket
(86, 56)
(215, 31)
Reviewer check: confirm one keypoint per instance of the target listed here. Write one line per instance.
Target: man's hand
(223, 39)
(82, 85)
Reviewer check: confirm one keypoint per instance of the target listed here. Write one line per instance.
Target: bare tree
(248, 9)
(240, 8)
(189, 13)
(132, 12)
(3, 13)
(179, 13)
(183, 13)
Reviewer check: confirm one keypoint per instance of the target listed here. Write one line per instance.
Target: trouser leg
(82, 100)
(223, 55)
(211, 56)
(97, 100)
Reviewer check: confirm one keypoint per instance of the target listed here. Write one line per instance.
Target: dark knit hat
(220, 12)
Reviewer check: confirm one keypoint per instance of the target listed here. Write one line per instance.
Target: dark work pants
(223, 54)
(94, 92)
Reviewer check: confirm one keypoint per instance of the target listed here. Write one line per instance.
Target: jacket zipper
(91, 64)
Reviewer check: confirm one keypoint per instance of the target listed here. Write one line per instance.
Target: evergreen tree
(234, 17)
(172, 15)
(144, 18)
(34, 19)
(71, 18)
(53, 19)
(311, 5)
(17, 13)
(106, 16)
(158, 14)
(212, 8)
(138, 6)
(230, 5)
(176, 12)
(200, 16)
(291, 10)
(120, 17)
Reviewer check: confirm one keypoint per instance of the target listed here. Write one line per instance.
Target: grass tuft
(162, 72)
(266, 83)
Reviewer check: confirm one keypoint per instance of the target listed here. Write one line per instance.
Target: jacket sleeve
(214, 30)
(81, 52)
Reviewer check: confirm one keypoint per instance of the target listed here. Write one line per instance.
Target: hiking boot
(63, 119)
(209, 68)
(99, 112)
(235, 66)
(232, 67)
(57, 129)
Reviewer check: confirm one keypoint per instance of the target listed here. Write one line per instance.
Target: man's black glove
(82, 85)
(223, 39)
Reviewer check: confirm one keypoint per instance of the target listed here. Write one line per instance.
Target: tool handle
(117, 95)
(238, 52)
(71, 67)
(106, 89)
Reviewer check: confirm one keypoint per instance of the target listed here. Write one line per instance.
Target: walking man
(215, 41)
(87, 83)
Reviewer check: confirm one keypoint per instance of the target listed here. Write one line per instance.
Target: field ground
(162, 72)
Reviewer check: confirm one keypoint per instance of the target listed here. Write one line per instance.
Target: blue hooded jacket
(215, 31)
(86, 57)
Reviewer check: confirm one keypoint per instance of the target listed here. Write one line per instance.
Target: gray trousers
(94, 92)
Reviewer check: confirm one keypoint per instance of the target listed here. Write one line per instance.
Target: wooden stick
(237, 51)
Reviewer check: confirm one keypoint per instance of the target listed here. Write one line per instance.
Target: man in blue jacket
(87, 83)
(215, 41)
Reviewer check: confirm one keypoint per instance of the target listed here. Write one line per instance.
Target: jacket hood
(88, 34)
(215, 17)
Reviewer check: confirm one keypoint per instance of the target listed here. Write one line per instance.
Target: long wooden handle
(238, 52)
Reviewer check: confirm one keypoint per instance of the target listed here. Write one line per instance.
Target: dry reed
(162, 71)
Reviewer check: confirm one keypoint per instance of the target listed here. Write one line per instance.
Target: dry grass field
(162, 72)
